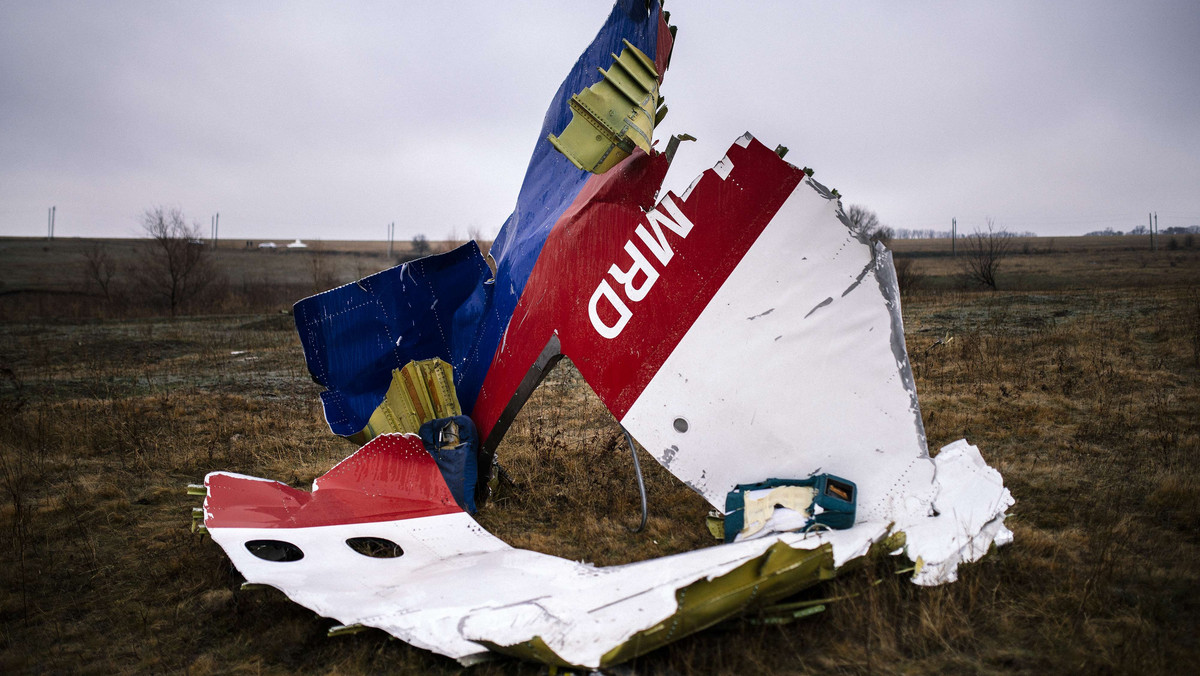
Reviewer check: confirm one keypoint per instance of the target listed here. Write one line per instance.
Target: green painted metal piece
(198, 520)
(715, 521)
(673, 144)
(346, 630)
(777, 573)
(197, 512)
(612, 117)
(788, 618)
(419, 392)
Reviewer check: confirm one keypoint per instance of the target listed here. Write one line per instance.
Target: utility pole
(953, 236)
(50, 213)
(391, 236)
(1153, 238)
(215, 221)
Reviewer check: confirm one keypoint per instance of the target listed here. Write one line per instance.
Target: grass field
(44, 278)
(1079, 380)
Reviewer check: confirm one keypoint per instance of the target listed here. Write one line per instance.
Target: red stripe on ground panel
(392, 477)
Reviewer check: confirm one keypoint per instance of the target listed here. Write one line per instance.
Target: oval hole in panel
(274, 550)
(376, 548)
(681, 425)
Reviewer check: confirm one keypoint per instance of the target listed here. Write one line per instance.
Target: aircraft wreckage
(810, 443)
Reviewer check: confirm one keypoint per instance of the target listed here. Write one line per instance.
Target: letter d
(615, 301)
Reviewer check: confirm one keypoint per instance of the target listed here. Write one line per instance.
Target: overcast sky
(329, 120)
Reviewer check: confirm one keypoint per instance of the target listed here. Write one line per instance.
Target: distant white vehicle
(297, 245)
(268, 245)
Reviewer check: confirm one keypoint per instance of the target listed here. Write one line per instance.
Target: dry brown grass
(1083, 390)
(51, 278)
(1058, 264)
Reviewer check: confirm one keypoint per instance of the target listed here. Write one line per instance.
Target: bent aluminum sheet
(459, 591)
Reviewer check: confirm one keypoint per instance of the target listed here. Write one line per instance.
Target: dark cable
(637, 466)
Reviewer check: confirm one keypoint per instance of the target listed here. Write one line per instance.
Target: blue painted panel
(446, 306)
(356, 334)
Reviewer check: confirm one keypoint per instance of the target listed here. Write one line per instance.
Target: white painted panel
(795, 367)
(455, 582)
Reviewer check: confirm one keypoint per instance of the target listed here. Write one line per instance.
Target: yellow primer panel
(759, 508)
(613, 116)
(420, 392)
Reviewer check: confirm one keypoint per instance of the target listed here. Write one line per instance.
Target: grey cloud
(323, 120)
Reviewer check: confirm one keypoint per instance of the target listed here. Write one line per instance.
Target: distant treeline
(919, 233)
(1143, 230)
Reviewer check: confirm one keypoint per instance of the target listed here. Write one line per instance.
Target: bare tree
(867, 222)
(323, 277)
(452, 241)
(476, 233)
(100, 269)
(862, 218)
(420, 246)
(883, 234)
(984, 253)
(365, 267)
(176, 266)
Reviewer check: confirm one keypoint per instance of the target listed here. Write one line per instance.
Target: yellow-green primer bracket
(419, 392)
(613, 116)
(198, 512)
(254, 586)
(198, 520)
